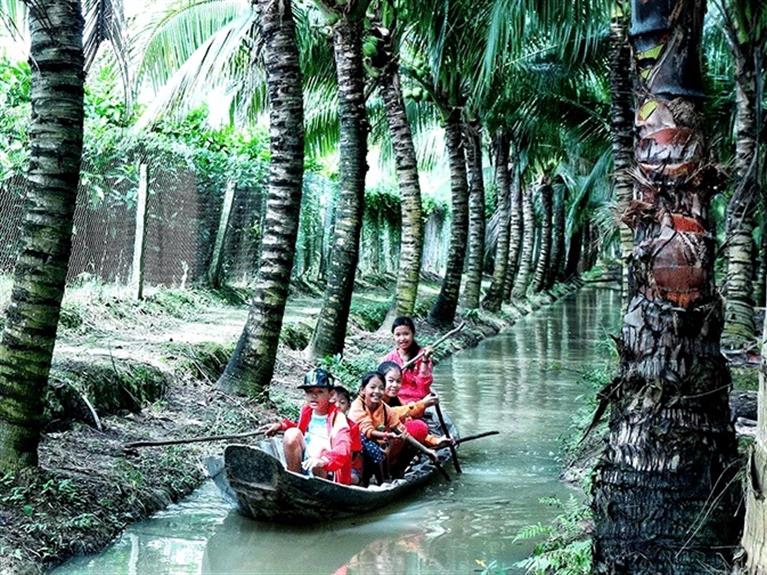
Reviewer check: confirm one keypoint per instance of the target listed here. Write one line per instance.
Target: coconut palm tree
(475, 261)
(663, 497)
(444, 309)
(621, 129)
(557, 236)
(494, 296)
(55, 140)
(347, 19)
(251, 366)
(389, 32)
(754, 541)
(745, 26)
(545, 193)
(528, 243)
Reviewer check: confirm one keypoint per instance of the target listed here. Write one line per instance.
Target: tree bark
(515, 234)
(494, 295)
(443, 310)
(411, 245)
(574, 253)
(557, 240)
(665, 488)
(251, 366)
(55, 140)
(544, 254)
(621, 130)
(330, 331)
(754, 540)
(739, 327)
(473, 285)
(528, 244)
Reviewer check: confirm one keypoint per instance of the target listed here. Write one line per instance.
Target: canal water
(524, 382)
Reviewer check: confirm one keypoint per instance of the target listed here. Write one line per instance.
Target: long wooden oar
(181, 440)
(446, 432)
(410, 362)
(477, 436)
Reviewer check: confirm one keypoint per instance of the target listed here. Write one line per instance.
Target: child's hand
(445, 442)
(430, 400)
(270, 429)
(426, 351)
(314, 463)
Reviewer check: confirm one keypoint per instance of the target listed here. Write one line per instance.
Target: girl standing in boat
(416, 379)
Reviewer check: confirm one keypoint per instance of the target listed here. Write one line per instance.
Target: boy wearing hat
(320, 443)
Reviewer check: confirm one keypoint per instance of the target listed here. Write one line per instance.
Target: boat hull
(256, 479)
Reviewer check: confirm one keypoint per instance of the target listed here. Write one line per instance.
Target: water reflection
(523, 382)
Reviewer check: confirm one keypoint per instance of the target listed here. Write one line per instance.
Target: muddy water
(523, 382)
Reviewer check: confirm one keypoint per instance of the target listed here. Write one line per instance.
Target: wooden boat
(256, 479)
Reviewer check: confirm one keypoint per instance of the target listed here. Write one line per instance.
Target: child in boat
(411, 413)
(343, 400)
(320, 443)
(416, 379)
(383, 435)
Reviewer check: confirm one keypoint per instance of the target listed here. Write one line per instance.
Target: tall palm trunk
(471, 290)
(664, 497)
(494, 295)
(330, 331)
(515, 234)
(251, 367)
(621, 129)
(739, 328)
(557, 240)
(574, 253)
(443, 310)
(55, 141)
(411, 245)
(754, 540)
(528, 244)
(544, 254)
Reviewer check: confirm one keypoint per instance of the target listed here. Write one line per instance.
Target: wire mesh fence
(182, 223)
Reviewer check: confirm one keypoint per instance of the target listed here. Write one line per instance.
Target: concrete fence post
(217, 260)
(139, 240)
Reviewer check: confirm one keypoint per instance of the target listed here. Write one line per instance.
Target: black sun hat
(317, 378)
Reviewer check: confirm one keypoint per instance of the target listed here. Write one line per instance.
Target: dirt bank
(125, 372)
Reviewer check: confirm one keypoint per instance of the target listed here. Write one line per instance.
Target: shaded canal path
(524, 382)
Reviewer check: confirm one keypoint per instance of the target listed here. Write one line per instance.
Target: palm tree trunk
(557, 241)
(494, 295)
(251, 367)
(330, 331)
(410, 193)
(473, 285)
(544, 255)
(754, 540)
(528, 244)
(574, 253)
(665, 486)
(739, 327)
(621, 128)
(55, 141)
(515, 234)
(443, 310)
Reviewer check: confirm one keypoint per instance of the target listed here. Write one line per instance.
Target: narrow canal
(524, 382)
